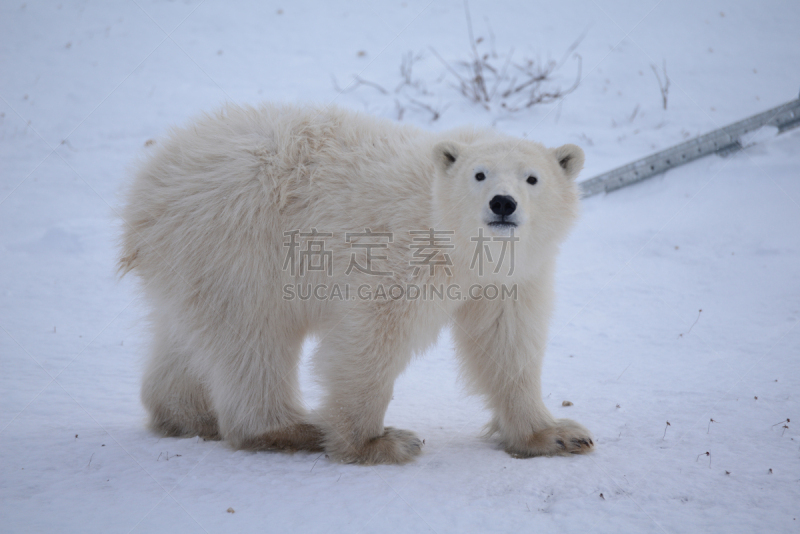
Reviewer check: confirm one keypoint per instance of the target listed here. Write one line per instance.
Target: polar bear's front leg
(358, 362)
(502, 344)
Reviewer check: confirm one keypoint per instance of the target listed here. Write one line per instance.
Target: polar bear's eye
(480, 176)
(532, 180)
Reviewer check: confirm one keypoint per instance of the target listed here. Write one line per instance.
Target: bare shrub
(485, 78)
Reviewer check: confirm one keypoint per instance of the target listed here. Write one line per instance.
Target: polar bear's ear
(570, 158)
(446, 153)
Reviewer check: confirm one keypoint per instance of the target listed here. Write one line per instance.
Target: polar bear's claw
(394, 446)
(564, 437)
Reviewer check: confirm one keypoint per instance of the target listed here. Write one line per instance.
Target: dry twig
(662, 85)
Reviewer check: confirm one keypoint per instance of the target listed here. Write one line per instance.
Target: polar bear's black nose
(502, 205)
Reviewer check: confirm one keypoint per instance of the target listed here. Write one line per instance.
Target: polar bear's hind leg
(176, 401)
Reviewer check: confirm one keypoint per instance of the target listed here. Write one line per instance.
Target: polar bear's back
(206, 214)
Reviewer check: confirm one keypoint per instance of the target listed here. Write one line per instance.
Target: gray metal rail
(721, 141)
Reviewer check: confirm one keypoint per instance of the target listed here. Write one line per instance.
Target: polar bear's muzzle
(503, 208)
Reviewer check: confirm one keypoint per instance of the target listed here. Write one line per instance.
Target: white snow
(86, 84)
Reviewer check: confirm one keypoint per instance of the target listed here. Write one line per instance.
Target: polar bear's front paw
(394, 446)
(564, 437)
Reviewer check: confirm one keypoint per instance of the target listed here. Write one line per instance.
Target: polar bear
(254, 228)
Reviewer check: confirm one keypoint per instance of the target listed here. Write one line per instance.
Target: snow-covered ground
(86, 84)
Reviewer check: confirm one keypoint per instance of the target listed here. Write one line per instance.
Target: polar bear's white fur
(209, 227)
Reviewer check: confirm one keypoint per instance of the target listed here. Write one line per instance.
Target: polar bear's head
(490, 189)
